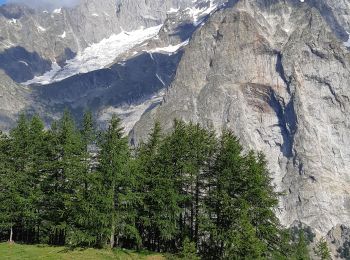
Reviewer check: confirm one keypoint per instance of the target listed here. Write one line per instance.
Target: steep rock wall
(277, 75)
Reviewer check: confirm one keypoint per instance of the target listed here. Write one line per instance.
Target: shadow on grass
(68, 249)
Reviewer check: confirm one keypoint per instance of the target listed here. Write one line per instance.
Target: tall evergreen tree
(20, 164)
(84, 225)
(167, 193)
(53, 188)
(240, 204)
(64, 171)
(148, 169)
(202, 144)
(37, 158)
(117, 184)
(322, 249)
(10, 197)
(301, 247)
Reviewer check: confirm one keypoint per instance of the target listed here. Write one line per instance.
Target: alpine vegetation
(188, 193)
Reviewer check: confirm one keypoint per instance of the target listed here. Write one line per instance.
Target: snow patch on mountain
(171, 49)
(57, 11)
(347, 43)
(12, 21)
(24, 62)
(98, 55)
(41, 29)
(105, 52)
(47, 77)
(160, 79)
(199, 14)
(6, 44)
(63, 35)
(173, 10)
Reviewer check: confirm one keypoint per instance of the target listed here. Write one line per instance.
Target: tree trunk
(38, 234)
(112, 241)
(11, 235)
(196, 229)
(117, 240)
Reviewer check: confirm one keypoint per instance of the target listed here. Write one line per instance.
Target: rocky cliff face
(13, 99)
(277, 74)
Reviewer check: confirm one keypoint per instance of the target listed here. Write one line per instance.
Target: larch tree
(113, 165)
(10, 206)
(241, 203)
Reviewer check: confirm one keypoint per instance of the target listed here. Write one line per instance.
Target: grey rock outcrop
(13, 99)
(277, 75)
(339, 241)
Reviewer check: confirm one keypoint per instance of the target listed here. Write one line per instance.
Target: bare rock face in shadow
(130, 82)
(21, 65)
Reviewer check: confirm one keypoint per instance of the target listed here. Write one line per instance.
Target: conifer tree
(322, 250)
(167, 191)
(64, 170)
(113, 166)
(262, 199)
(148, 169)
(84, 226)
(189, 250)
(53, 187)
(301, 251)
(222, 185)
(202, 145)
(19, 161)
(10, 197)
(240, 204)
(36, 160)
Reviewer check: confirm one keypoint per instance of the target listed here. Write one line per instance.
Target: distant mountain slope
(75, 53)
(32, 40)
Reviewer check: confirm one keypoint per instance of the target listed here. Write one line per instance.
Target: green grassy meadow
(36, 252)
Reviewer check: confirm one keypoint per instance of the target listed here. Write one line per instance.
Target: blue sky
(2, 1)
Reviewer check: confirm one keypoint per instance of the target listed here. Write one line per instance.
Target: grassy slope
(20, 252)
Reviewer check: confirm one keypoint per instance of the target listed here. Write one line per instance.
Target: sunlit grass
(17, 251)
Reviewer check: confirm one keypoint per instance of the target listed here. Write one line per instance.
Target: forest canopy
(189, 192)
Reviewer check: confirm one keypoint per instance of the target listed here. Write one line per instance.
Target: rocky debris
(339, 241)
